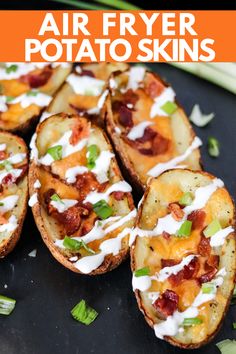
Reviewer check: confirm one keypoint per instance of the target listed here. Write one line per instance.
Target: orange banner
(117, 36)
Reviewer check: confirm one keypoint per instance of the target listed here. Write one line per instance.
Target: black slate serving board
(46, 291)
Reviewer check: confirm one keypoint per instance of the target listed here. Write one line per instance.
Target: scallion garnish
(213, 147)
(32, 93)
(208, 288)
(212, 228)
(169, 107)
(76, 245)
(227, 346)
(55, 197)
(102, 209)
(7, 305)
(92, 155)
(142, 272)
(186, 199)
(192, 321)
(9, 99)
(11, 69)
(1, 204)
(234, 325)
(185, 229)
(7, 165)
(55, 152)
(84, 313)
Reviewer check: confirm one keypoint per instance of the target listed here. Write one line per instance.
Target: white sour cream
(3, 147)
(138, 130)
(63, 205)
(40, 99)
(37, 184)
(85, 85)
(219, 237)
(8, 203)
(3, 104)
(33, 200)
(168, 95)
(72, 172)
(10, 226)
(94, 197)
(16, 172)
(141, 283)
(165, 272)
(136, 76)
(162, 167)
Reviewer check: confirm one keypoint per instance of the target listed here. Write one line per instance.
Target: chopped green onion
(185, 229)
(213, 147)
(7, 305)
(9, 99)
(212, 228)
(84, 313)
(169, 107)
(1, 203)
(192, 321)
(55, 152)
(198, 118)
(234, 325)
(7, 165)
(227, 346)
(208, 288)
(102, 209)
(32, 93)
(141, 272)
(55, 197)
(76, 245)
(186, 199)
(92, 155)
(11, 69)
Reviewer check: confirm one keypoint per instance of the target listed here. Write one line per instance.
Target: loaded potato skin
(13, 190)
(184, 276)
(82, 206)
(148, 128)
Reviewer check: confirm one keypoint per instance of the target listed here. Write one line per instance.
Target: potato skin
(141, 305)
(8, 245)
(110, 261)
(119, 147)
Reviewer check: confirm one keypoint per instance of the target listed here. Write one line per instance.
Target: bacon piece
(3, 220)
(130, 97)
(80, 130)
(37, 80)
(188, 272)
(204, 248)
(168, 262)
(149, 135)
(10, 179)
(70, 218)
(87, 224)
(3, 155)
(198, 218)
(153, 86)
(87, 182)
(176, 211)
(118, 195)
(167, 304)
(125, 117)
(211, 267)
(166, 235)
(87, 73)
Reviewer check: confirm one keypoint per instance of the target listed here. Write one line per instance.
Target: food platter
(46, 292)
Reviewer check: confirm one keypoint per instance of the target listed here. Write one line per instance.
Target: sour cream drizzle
(63, 205)
(136, 76)
(165, 272)
(219, 237)
(168, 95)
(169, 224)
(10, 226)
(138, 130)
(170, 327)
(161, 167)
(39, 99)
(8, 203)
(121, 186)
(85, 85)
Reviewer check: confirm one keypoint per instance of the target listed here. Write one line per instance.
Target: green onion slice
(92, 155)
(186, 199)
(55, 197)
(7, 305)
(11, 69)
(32, 93)
(192, 321)
(1, 204)
(102, 209)
(84, 313)
(9, 98)
(213, 147)
(212, 228)
(169, 107)
(7, 165)
(208, 288)
(185, 229)
(142, 272)
(227, 346)
(234, 325)
(55, 152)
(76, 245)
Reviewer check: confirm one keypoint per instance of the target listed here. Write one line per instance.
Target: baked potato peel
(183, 256)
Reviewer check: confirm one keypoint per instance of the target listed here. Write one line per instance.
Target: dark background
(157, 4)
(46, 291)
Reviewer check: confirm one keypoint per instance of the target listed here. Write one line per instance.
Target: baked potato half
(148, 128)
(13, 190)
(82, 206)
(183, 256)
(26, 89)
(85, 92)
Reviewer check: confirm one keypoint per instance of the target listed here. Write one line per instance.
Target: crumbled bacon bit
(166, 235)
(87, 73)
(37, 80)
(153, 86)
(168, 262)
(87, 182)
(3, 220)
(3, 155)
(149, 134)
(176, 211)
(211, 267)
(167, 304)
(204, 248)
(188, 272)
(9, 179)
(198, 218)
(118, 195)
(130, 97)
(125, 117)
(80, 130)
(70, 218)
